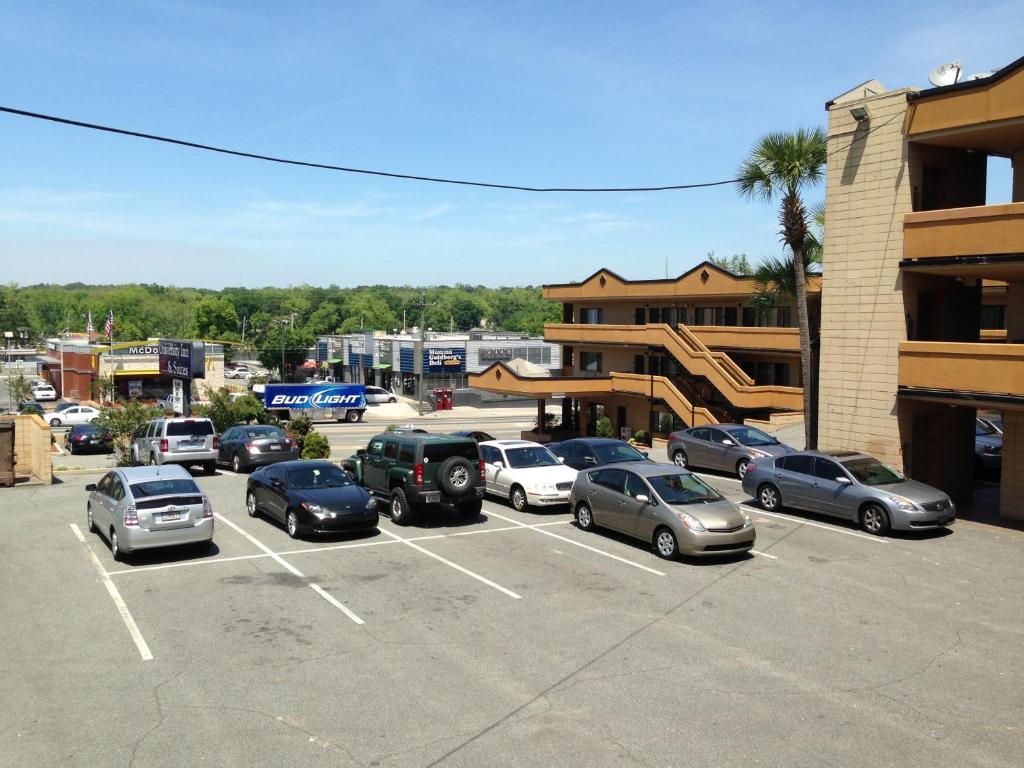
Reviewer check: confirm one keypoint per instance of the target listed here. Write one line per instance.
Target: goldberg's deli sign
(183, 359)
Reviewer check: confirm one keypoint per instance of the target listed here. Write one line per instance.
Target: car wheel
(236, 463)
(874, 519)
(89, 522)
(152, 460)
(71, 448)
(54, 422)
(392, 400)
(584, 517)
(250, 504)
(518, 499)
(291, 522)
(471, 509)
(209, 467)
(352, 416)
(115, 547)
(679, 459)
(769, 498)
(741, 467)
(665, 545)
(401, 513)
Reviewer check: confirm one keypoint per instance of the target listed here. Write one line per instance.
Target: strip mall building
(921, 301)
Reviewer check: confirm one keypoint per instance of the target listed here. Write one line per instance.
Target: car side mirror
(843, 480)
(498, 465)
(361, 452)
(645, 454)
(561, 459)
(727, 441)
(91, 487)
(643, 498)
(589, 460)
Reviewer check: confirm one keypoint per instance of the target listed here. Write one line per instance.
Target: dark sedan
(590, 452)
(248, 445)
(87, 437)
(31, 408)
(310, 497)
(476, 434)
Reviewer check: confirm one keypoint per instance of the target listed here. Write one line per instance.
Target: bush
(642, 436)
(122, 422)
(225, 412)
(19, 389)
(315, 446)
(604, 427)
(300, 425)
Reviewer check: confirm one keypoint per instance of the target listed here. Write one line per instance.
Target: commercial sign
(450, 360)
(178, 396)
(138, 349)
(314, 396)
(134, 388)
(182, 359)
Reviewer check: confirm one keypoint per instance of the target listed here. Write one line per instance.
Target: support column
(1015, 310)
(1018, 177)
(1011, 487)
(540, 415)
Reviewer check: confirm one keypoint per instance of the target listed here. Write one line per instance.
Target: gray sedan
(726, 447)
(146, 507)
(850, 485)
(671, 508)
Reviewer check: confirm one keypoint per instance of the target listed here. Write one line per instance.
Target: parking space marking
(834, 529)
(764, 554)
(450, 564)
(183, 564)
(115, 595)
(289, 567)
(538, 529)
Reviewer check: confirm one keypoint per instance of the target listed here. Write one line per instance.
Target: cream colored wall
(615, 359)
(1011, 489)
(32, 448)
(862, 317)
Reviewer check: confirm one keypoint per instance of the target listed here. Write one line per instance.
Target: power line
(343, 169)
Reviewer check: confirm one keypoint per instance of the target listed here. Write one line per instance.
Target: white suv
(183, 440)
(43, 391)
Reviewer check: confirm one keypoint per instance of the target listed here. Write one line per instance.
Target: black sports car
(87, 437)
(476, 434)
(310, 497)
(590, 452)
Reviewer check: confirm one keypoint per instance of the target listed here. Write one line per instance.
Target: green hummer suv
(414, 469)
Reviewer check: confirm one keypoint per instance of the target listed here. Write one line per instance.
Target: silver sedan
(725, 447)
(146, 507)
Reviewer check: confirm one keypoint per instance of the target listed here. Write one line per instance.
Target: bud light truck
(322, 401)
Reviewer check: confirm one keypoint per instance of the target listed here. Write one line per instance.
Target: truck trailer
(322, 401)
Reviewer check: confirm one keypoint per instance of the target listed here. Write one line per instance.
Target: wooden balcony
(968, 369)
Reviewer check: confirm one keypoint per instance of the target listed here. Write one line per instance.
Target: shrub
(642, 436)
(300, 425)
(604, 427)
(122, 422)
(315, 446)
(19, 389)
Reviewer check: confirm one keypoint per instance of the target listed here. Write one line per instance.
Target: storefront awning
(334, 360)
(381, 366)
(144, 372)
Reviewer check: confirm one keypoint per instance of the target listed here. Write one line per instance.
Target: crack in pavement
(160, 721)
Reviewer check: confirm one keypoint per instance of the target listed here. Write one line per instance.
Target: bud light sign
(314, 396)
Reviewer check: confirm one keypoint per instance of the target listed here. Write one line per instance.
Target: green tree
(738, 263)
(784, 165)
(292, 343)
(19, 389)
(604, 427)
(123, 422)
(315, 446)
(214, 317)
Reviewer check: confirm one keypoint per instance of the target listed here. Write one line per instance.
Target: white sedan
(525, 473)
(78, 414)
(44, 392)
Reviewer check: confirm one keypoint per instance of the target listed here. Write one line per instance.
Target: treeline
(268, 317)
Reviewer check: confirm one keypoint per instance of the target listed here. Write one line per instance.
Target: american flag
(109, 327)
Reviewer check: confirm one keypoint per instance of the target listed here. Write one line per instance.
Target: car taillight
(292, 441)
(483, 470)
(207, 508)
(417, 474)
(216, 442)
(164, 447)
(751, 466)
(131, 516)
(80, 438)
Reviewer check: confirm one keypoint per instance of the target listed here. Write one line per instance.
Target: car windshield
(872, 472)
(984, 428)
(320, 476)
(533, 456)
(608, 453)
(752, 437)
(164, 488)
(89, 429)
(683, 489)
(260, 433)
(195, 428)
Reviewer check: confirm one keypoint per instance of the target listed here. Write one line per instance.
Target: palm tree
(783, 165)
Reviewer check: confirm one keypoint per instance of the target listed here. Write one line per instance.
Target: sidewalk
(405, 411)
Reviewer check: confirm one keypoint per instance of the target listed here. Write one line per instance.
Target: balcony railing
(987, 369)
(981, 230)
(748, 337)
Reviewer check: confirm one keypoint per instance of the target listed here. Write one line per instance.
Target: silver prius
(670, 507)
(146, 507)
(851, 485)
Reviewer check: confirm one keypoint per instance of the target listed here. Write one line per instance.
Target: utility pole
(282, 351)
(423, 338)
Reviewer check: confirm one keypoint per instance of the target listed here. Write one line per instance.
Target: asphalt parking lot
(513, 639)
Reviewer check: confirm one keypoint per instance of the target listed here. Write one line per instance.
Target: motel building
(659, 355)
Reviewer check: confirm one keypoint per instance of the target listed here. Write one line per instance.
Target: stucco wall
(32, 448)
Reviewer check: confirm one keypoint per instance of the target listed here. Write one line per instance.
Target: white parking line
(290, 568)
(115, 595)
(538, 529)
(834, 529)
(450, 564)
(764, 554)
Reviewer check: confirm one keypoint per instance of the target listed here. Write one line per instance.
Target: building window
(701, 315)
(591, 362)
(993, 317)
(654, 315)
(591, 316)
(749, 317)
(639, 316)
(730, 316)
(638, 364)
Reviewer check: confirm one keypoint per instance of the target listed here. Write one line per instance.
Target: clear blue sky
(533, 93)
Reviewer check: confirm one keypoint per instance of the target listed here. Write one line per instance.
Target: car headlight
(544, 488)
(315, 509)
(759, 454)
(903, 503)
(747, 522)
(371, 503)
(690, 522)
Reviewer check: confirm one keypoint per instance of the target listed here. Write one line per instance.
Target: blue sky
(532, 93)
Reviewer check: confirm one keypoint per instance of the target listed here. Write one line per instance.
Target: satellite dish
(946, 74)
(980, 75)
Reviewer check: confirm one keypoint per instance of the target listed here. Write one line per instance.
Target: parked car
(63, 405)
(725, 447)
(525, 473)
(475, 434)
(310, 497)
(589, 452)
(415, 469)
(668, 506)
(44, 391)
(247, 445)
(238, 372)
(850, 485)
(76, 414)
(83, 437)
(379, 395)
(31, 408)
(988, 446)
(138, 508)
(181, 440)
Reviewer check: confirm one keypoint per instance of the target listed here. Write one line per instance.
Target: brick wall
(862, 315)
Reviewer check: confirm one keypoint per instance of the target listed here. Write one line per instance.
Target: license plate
(170, 517)
(275, 447)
